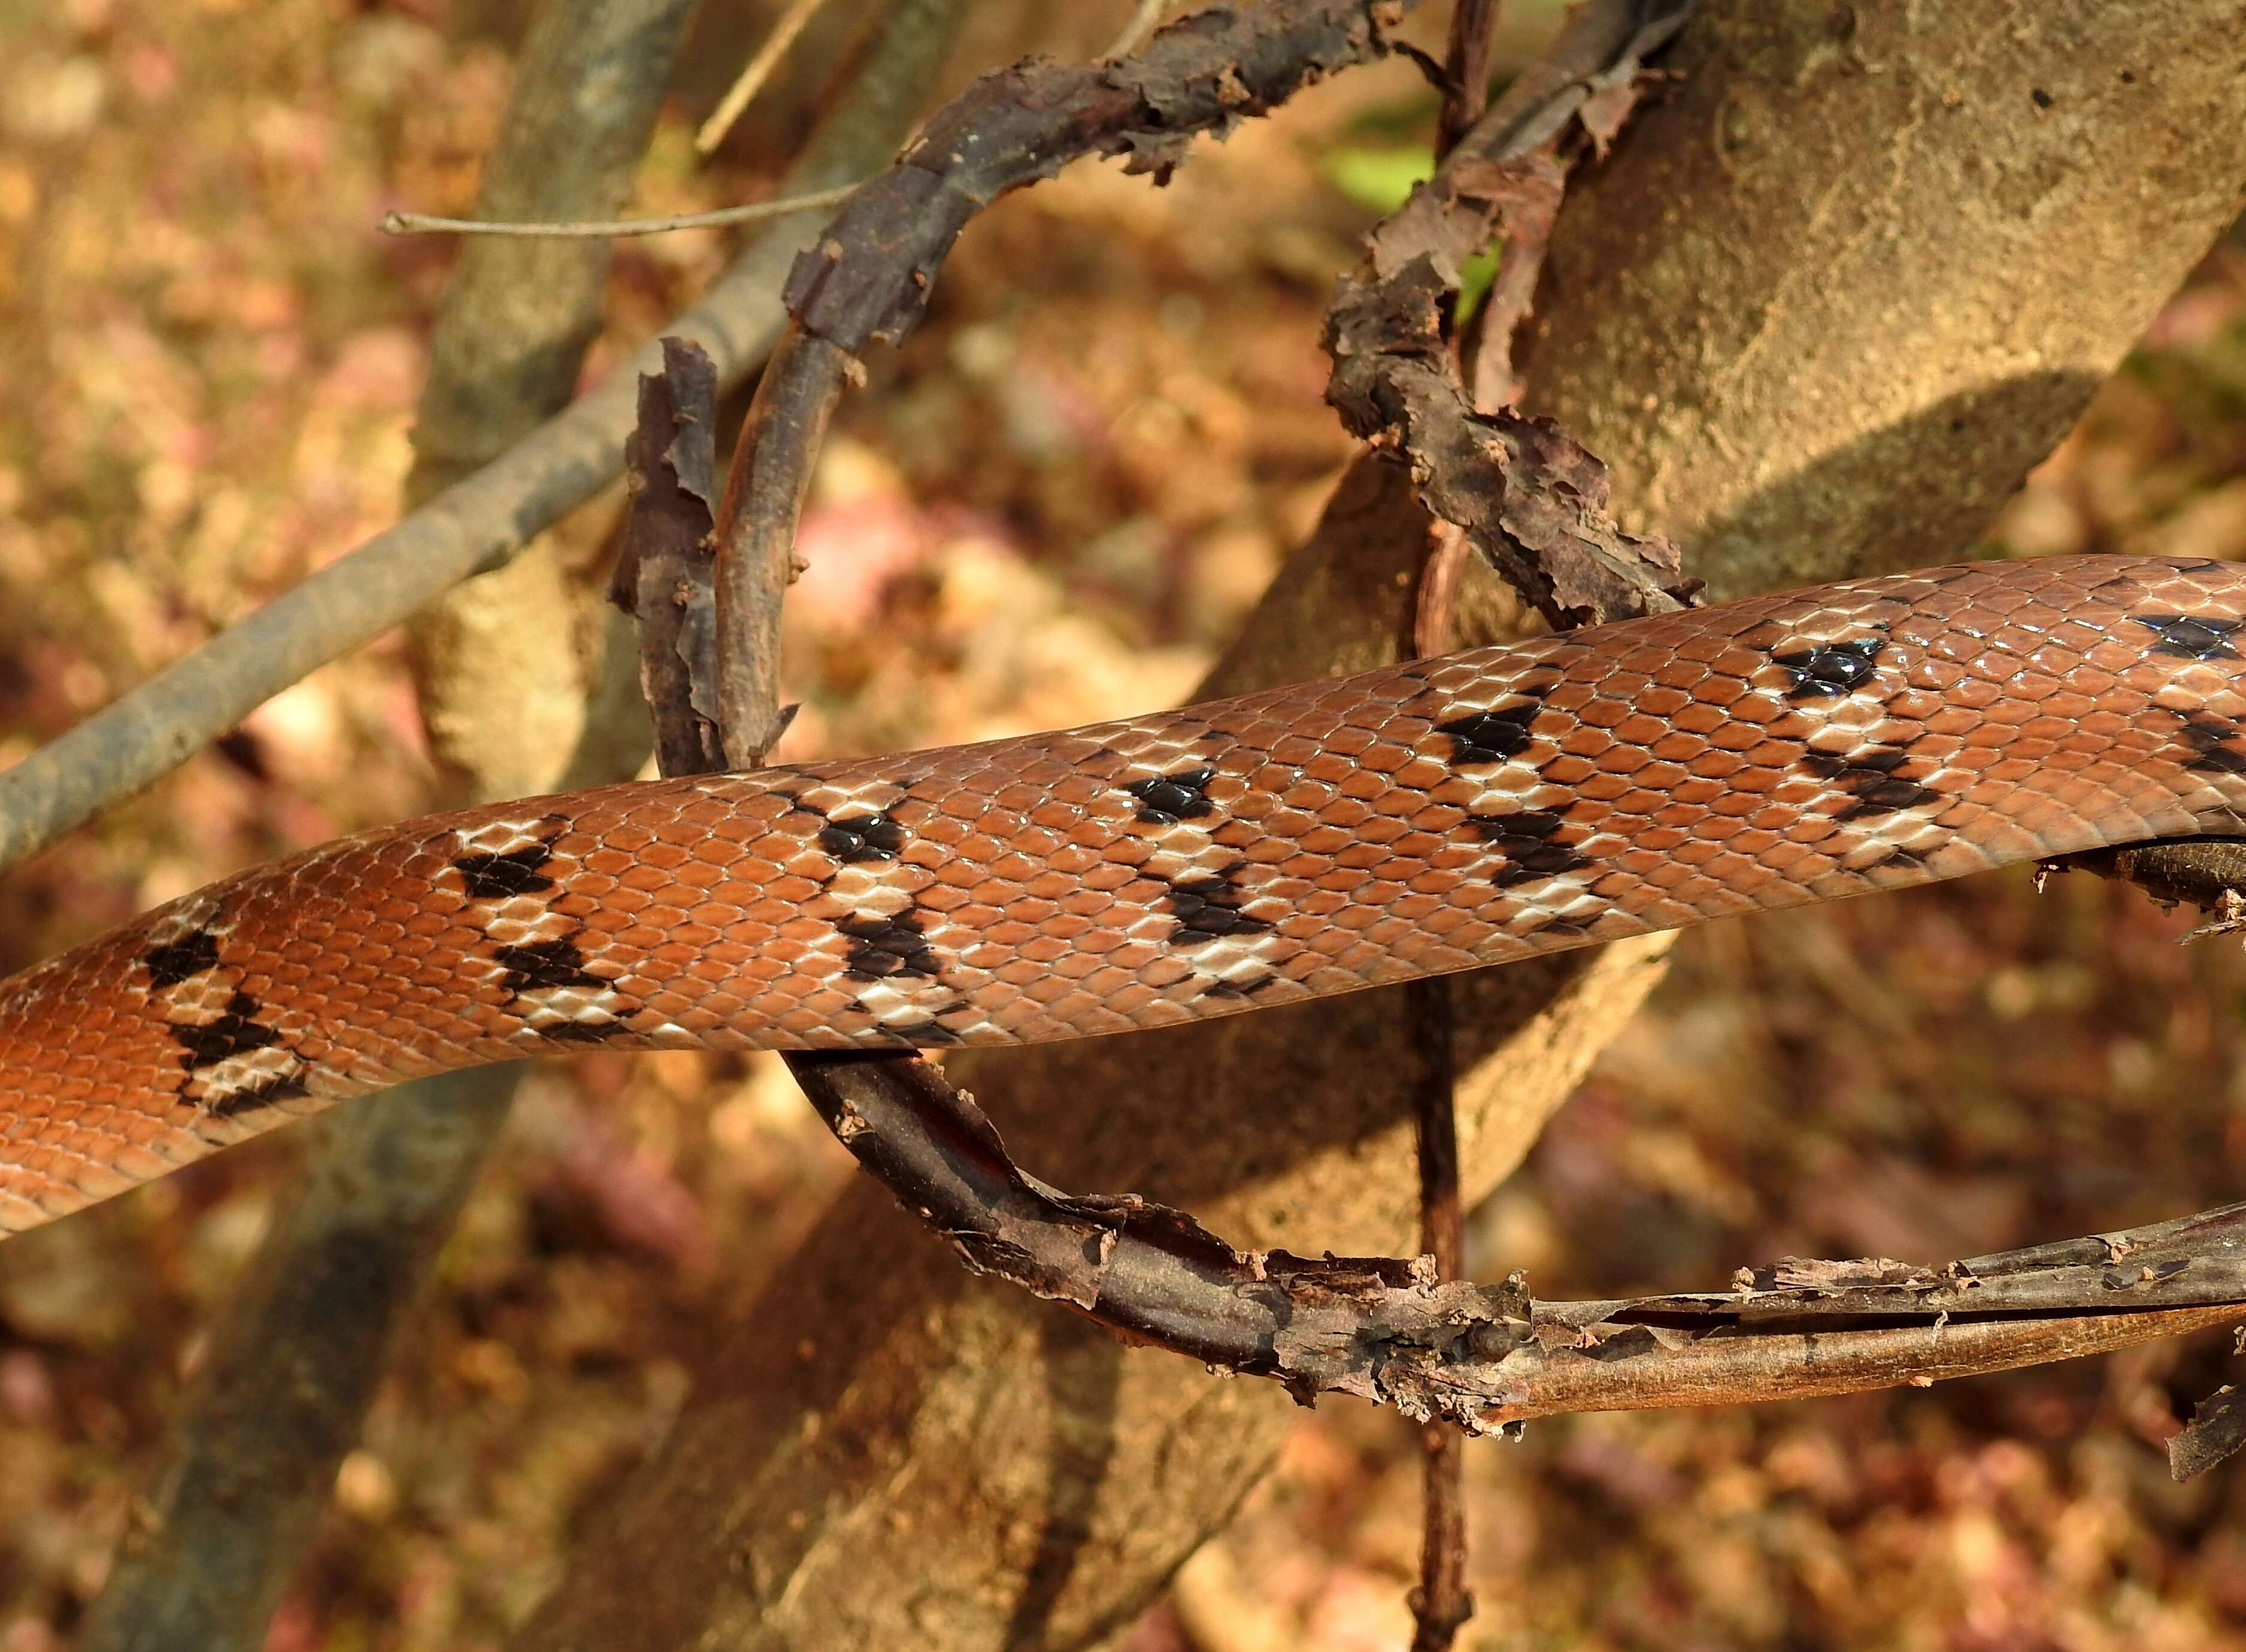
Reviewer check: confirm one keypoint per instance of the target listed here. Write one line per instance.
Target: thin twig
(1442, 1219)
(663, 576)
(1149, 13)
(1466, 63)
(870, 276)
(475, 524)
(1441, 1603)
(752, 78)
(755, 535)
(414, 223)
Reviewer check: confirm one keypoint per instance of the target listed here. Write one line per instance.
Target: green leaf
(1476, 276)
(1380, 178)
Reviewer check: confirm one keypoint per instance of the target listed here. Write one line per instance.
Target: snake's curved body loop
(1432, 817)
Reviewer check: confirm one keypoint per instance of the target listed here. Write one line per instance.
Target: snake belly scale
(1453, 811)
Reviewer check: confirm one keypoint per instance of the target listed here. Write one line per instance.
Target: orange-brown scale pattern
(1454, 812)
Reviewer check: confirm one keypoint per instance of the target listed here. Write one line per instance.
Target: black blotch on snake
(173, 961)
(540, 964)
(263, 1093)
(579, 1032)
(2185, 638)
(927, 1030)
(1165, 800)
(1209, 909)
(2208, 737)
(854, 838)
(1901, 854)
(236, 1031)
(1873, 778)
(496, 877)
(1527, 839)
(1828, 668)
(1493, 736)
(881, 948)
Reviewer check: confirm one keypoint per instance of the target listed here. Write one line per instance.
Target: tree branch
(1531, 499)
(1483, 1357)
(295, 1360)
(772, 1511)
(476, 524)
(754, 212)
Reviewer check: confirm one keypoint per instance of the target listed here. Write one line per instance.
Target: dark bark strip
(1524, 492)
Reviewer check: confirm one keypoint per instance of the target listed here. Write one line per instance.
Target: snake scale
(1451, 812)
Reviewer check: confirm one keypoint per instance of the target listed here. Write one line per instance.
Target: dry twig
(1483, 1356)
(1466, 64)
(475, 524)
(1530, 499)
(754, 75)
(1441, 1603)
(1144, 17)
(664, 577)
(870, 277)
(2206, 873)
(2218, 1428)
(755, 212)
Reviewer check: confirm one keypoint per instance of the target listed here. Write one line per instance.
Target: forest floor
(1053, 504)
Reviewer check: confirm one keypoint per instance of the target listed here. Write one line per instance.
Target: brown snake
(1433, 816)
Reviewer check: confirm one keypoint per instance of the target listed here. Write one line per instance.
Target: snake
(1440, 814)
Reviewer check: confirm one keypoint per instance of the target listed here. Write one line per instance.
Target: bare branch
(754, 75)
(870, 275)
(1144, 17)
(1644, 1368)
(475, 524)
(755, 536)
(664, 575)
(415, 223)
(294, 1361)
(1466, 63)
(1440, 1604)
(1483, 1357)
(2206, 873)
(1529, 497)
(2218, 1428)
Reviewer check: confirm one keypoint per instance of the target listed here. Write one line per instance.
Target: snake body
(1453, 811)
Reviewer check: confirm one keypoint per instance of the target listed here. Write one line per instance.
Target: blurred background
(1053, 504)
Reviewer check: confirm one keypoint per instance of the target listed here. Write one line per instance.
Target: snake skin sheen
(1453, 811)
